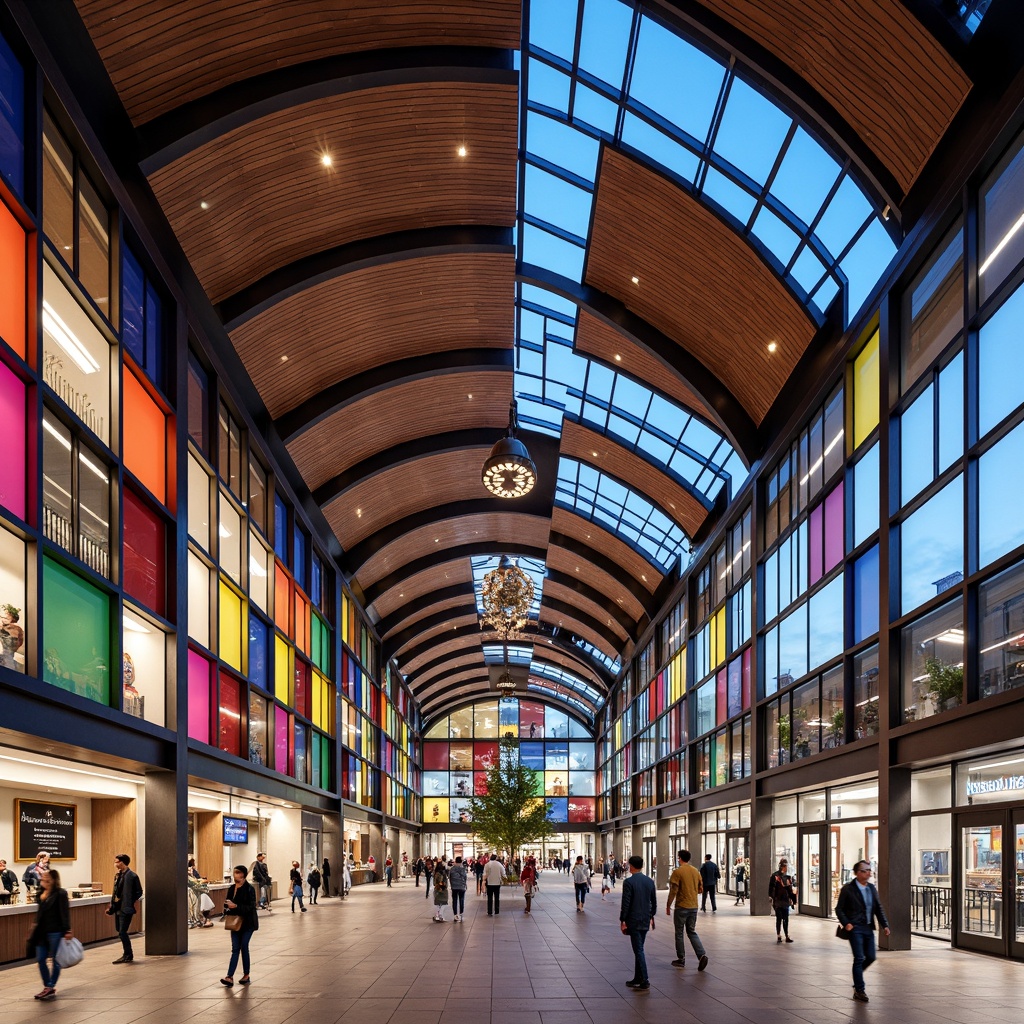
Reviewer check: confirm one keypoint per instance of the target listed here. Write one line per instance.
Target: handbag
(69, 953)
(233, 922)
(842, 933)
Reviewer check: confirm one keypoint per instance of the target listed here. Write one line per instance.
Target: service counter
(88, 922)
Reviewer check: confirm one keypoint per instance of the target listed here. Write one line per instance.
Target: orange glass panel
(301, 623)
(145, 437)
(282, 600)
(12, 294)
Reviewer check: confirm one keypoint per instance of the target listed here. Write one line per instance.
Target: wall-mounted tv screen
(236, 830)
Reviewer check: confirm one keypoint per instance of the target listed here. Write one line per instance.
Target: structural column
(166, 860)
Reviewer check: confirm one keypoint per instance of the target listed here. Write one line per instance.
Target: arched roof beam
(336, 397)
(391, 622)
(456, 661)
(381, 250)
(184, 129)
(606, 564)
(730, 416)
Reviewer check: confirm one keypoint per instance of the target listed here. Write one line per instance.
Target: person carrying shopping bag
(241, 920)
(295, 880)
(53, 923)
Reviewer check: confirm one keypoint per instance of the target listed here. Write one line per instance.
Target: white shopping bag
(69, 953)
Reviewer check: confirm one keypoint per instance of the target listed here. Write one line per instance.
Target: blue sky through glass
(533, 567)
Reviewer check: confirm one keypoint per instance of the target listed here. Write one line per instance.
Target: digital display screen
(236, 830)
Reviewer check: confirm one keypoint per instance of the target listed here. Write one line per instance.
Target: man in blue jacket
(856, 910)
(636, 917)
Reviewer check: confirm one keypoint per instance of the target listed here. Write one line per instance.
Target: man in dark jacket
(709, 877)
(127, 892)
(856, 910)
(261, 880)
(636, 917)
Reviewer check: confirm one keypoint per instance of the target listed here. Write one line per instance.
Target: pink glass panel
(581, 808)
(280, 739)
(12, 430)
(198, 697)
(834, 528)
(721, 696)
(814, 543)
(480, 784)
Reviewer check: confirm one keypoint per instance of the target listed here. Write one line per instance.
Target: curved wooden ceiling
(395, 167)
(874, 62)
(376, 315)
(450, 604)
(574, 567)
(701, 283)
(451, 573)
(437, 632)
(163, 53)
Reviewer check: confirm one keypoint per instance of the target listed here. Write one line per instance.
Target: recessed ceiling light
(635, 280)
(595, 455)
(327, 160)
(463, 151)
(284, 359)
(204, 205)
(618, 358)
(359, 511)
(772, 346)
(470, 397)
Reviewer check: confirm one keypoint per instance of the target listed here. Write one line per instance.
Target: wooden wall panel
(411, 487)
(878, 66)
(563, 561)
(700, 282)
(402, 413)
(210, 845)
(602, 341)
(271, 201)
(115, 829)
(679, 504)
(584, 605)
(508, 531)
(162, 53)
(377, 315)
(444, 574)
(571, 525)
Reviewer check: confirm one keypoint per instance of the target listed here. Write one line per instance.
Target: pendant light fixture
(509, 472)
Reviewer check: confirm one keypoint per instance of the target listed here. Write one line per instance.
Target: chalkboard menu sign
(52, 828)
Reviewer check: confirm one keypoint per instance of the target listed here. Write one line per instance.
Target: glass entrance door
(737, 845)
(812, 876)
(1017, 948)
(650, 856)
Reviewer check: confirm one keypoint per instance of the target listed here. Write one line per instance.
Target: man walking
(709, 875)
(636, 918)
(494, 875)
(389, 870)
(261, 879)
(856, 910)
(581, 882)
(313, 881)
(683, 888)
(417, 870)
(127, 892)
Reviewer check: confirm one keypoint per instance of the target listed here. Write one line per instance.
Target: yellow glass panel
(230, 626)
(316, 700)
(435, 810)
(677, 676)
(283, 679)
(717, 639)
(865, 391)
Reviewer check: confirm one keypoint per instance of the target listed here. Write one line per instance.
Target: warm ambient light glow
(326, 160)
(463, 151)
(635, 280)
(204, 205)
(65, 337)
(618, 358)
(772, 346)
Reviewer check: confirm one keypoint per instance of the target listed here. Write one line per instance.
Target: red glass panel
(582, 808)
(484, 755)
(229, 715)
(480, 784)
(531, 719)
(435, 757)
(145, 546)
(302, 687)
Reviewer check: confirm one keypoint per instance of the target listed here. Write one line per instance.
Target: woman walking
(783, 896)
(440, 890)
(740, 872)
(581, 883)
(528, 880)
(478, 874)
(53, 923)
(458, 877)
(240, 902)
(325, 872)
(313, 881)
(295, 879)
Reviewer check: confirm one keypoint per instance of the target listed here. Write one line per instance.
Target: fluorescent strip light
(255, 568)
(821, 458)
(1004, 242)
(1003, 643)
(997, 764)
(65, 337)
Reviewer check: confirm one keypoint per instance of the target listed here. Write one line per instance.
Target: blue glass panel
(675, 79)
(556, 201)
(805, 177)
(281, 529)
(562, 145)
(865, 495)
(659, 148)
(605, 40)
(1001, 498)
(770, 594)
(532, 755)
(844, 217)
(827, 291)
(549, 86)
(258, 645)
(299, 565)
(808, 269)
(951, 413)
(826, 623)
(917, 432)
(545, 250)
(779, 238)
(793, 645)
(865, 595)
(558, 808)
(729, 196)
(999, 346)
(553, 26)
(932, 546)
(866, 262)
(133, 297)
(12, 118)
(594, 109)
(770, 662)
(751, 131)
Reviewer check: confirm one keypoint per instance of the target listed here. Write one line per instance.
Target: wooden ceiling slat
(163, 53)
(395, 168)
(402, 413)
(701, 283)
(446, 647)
(582, 443)
(558, 592)
(439, 631)
(507, 530)
(459, 601)
(878, 66)
(412, 487)
(571, 525)
(358, 321)
(560, 560)
(596, 338)
(474, 660)
(567, 622)
(446, 574)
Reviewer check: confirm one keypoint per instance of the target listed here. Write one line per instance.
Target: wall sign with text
(45, 826)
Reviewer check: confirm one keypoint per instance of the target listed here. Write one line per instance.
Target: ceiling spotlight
(462, 151)
(635, 280)
(204, 205)
(618, 358)
(772, 346)
(326, 160)
(509, 472)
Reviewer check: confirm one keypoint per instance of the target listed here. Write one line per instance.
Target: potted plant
(837, 727)
(945, 683)
(785, 735)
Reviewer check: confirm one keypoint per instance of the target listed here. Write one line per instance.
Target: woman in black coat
(53, 923)
(240, 901)
(783, 897)
(326, 872)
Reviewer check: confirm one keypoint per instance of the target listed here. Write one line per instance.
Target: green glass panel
(76, 634)
(316, 633)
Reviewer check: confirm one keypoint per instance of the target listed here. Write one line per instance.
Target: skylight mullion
(766, 191)
(716, 120)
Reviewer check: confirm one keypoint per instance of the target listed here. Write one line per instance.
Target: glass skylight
(602, 499)
(518, 654)
(643, 86)
(555, 692)
(570, 680)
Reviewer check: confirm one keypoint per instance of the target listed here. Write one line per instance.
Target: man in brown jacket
(683, 889)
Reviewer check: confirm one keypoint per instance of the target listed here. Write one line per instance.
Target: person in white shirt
(581, 882)
(494, 875)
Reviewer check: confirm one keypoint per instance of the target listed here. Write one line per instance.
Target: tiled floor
(379, 958)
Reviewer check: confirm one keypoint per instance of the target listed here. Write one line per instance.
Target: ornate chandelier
(509, 472)
(505, 684)
(507, 595)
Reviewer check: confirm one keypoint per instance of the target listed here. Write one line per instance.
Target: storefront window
(198, 600)
(1000, 529)
(1000, 243)
(75, 659)
(806, 720)
(198, 406)
(1001, 615)
(990, 780)
(931, 789)
(229, 531)
(58, 191)
(931, 892)
(144, 671)
(229, 435)
(259, 572)
(13, 618)
(932, 662)
(257, 729)
(932, 546)
(257, 494)
(865, 693)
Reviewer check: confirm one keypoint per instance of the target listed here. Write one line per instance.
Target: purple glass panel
(12, 430)
(198, 697)
(814, 560)
(834, 528)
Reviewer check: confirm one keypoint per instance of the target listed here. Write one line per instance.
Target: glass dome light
(509, 472)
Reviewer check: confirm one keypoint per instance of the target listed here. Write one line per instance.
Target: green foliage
(511, 814)
(946, 683)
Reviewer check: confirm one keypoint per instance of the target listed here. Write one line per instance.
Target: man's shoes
(640, 986)
(633, 983)
(47, 994)
(123, 960)
(304, 909)
(860, 995)
(702, 962)
(678, 963)
(788, 939)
